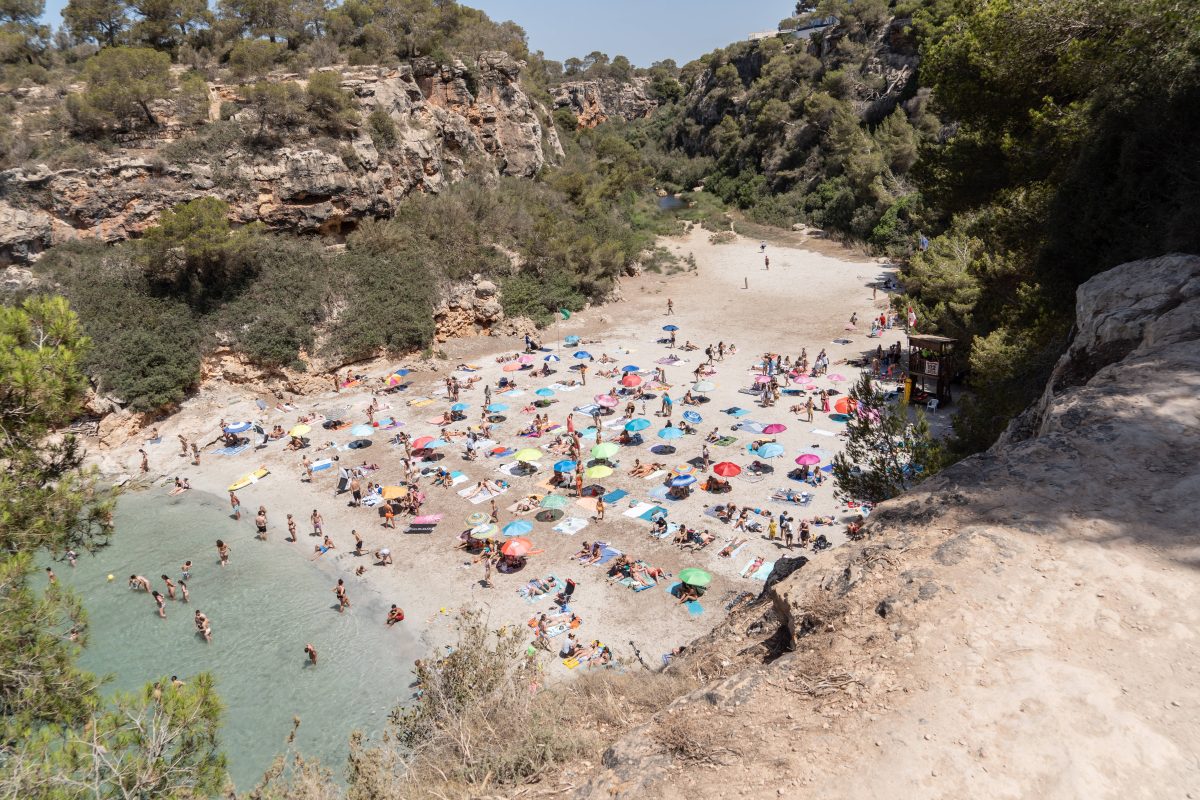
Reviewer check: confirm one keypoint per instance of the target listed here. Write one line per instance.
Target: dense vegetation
(1034, 145)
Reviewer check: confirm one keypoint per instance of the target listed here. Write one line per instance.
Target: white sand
(804, 300)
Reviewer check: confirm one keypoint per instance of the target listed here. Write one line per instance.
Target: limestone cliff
(451, 120)
(1025, 624)
(596, 101)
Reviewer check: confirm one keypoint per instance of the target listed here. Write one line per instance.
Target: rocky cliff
(451, 121)
(596, 101)
(1025, 624)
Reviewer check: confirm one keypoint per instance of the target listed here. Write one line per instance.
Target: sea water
(264, 607)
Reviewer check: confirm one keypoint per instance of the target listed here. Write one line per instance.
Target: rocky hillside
(1023, 625)
(596, 101)
(451, 121)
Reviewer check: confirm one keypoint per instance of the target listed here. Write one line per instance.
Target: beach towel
(325, 463)
(562, 387)
(614, 496)
(693, 606)
(513, 393)
(588, 503)
(638, 509)
(608, 554)
(483, 495)
(635, 585)
(654, 476)
(711, 511)
(654, 511)
(571, 525)
(426, 519)
(820, 432)
(672, 529)
(515, 469)
(457, 477)
(659, 493)
(726, 441)
(733, 553)
(589, 409)
(736, 412)
(513, 508)
(231, 451)
(504, 452)
(557, 587)
(760, 574)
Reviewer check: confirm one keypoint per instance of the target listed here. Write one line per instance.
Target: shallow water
(671, 203)
(264, 607)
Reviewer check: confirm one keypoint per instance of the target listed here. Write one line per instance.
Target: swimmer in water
(202, 626)
(160, 602)
(312, 654)
(139, 583)
(339, 591)
(183, 591)
(170, 586)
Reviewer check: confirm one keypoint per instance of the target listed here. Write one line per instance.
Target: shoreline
(804, 300)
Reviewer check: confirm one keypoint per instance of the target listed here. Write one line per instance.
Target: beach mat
(693, 606)
(231, 451)
(638, 509)
(571, 525)
(650, 513)
(736, 412)
(725, 441)
(614, 496)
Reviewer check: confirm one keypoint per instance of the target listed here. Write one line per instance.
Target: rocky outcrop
(1023, 624)
(594, 102)
(451, 121)
(474, 309)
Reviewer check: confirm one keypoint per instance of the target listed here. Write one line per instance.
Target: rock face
(1026, 623)
(450, 122)
(594, 102)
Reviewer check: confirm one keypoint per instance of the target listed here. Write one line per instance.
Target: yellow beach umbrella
(392, 492)
(599, 471)
(300, 430)
(528, 454)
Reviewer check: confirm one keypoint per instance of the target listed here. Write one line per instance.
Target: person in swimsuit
(311, 652)
(260, 521)
(236, 504)
(202, 626)
(395, 614)
(222, 552)
(339, 591)
(160, 602)
(291, 526)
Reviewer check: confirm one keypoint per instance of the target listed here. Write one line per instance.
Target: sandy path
(803, 300)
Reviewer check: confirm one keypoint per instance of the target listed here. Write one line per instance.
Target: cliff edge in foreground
(1023, 625)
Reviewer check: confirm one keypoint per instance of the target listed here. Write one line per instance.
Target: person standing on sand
(494, 515)
(222, 553)
(145, 461)
(318, 523)
(311, 652)
(236, 504)
(808, 409)
(706, 456)
(767, 263)
(308, 469)
(670, 307)
(667, 405)
(291, 526)
(183, 445)
(339, 592)
(487, 570)
(583, 374)
(356, 491)
(260, 522)
(195, 455)
(600, 509)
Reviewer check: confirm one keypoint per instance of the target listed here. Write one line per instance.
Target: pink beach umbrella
(511, 366)
(525, 359)
(762, 379)
(607, 400)
(808, 459)
(775, 427)
(837, 377)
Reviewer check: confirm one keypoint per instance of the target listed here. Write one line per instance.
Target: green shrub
(254, 57)
(382, 130)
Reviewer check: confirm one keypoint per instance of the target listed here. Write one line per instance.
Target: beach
(804, 300)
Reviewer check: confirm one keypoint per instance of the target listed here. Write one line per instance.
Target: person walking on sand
(260, 522)
(222, 553)
(670, 307)
(308, 469)
(236, 505)
(600, 509)
(339, 592)
(494, 515)
(311, 652)
(767, 263)
(318, 523)
(486, 583)
(291, 526)
(183, 445)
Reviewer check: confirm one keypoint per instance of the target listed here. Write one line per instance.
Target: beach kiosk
(930, 367)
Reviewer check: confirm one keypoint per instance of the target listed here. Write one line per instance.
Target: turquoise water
(264, 607)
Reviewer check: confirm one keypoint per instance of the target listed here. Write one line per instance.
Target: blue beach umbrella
(362, 430)
(460, 407)
(683, 480)
(566, 465)
(436, 443)
(496, 408)
(635, 425)
(692, 417)
(670, 433)
(237, 427)
(630, 368)
(769, 450)
(582, 354)
(518, 527)
(551, 357)
(670, 328)
(402, 372)
(544, 392)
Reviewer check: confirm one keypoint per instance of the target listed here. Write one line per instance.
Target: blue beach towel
(614, 495)
(693, 606)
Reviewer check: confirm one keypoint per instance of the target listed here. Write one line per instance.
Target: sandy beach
(805, 299)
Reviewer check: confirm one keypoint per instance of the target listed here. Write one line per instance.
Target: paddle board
(246, 480)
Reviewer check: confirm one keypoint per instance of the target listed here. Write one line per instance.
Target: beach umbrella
(842, 406)
(528, 454)
(525, 359)
(395, 380)
(727, 469)
(477, 518)
(808, 459)
(554, 501)
(598, 471)
(544, 392)
(572, 339)
(511, 366)
(299, 430)
(402, 372)
(460, 407)
(630, 380)
(582, 354)
(517, 547)
(762, 379)
(422, 442)
(436, 443)
(670, 433)
(684, 469)
(770, 450)
(238, 427)
(604, 450)
(775, 427)
(362, 430)
(669, 328)
(695, 577)
(836, 378)
(485, 531)
(635, 425)
(630, 368)
(692, 417)
(518, 527)
(607, 401)
(683, 480)
(551, 358)
(702, 387)
(496, 408)
(589, 432)
(392, 492)
(566, 465)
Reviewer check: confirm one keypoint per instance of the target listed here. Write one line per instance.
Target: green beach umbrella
(598, 471)
(554, 501)
(605, 450)
(695, 577)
